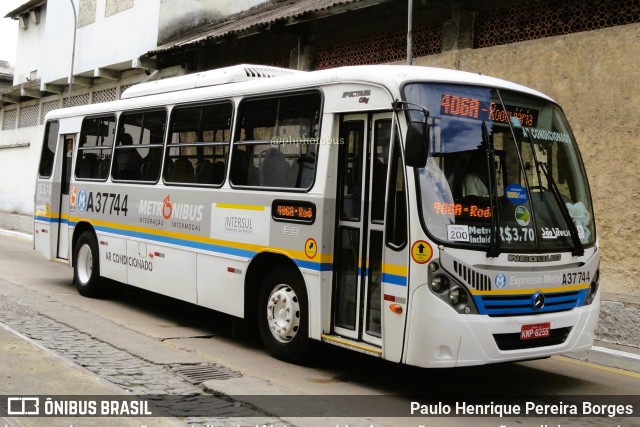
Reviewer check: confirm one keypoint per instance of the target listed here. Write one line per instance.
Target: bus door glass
(363, 160)
(65, 179)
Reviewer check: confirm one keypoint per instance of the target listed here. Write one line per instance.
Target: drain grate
(197, 374)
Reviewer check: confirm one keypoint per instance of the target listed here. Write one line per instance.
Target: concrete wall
(179, 16)
(594, 77)
(102, 43)
(29, 46)
(18, 171)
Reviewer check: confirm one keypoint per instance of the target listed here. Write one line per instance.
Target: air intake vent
(220, 76)
(514, 342)
(257, 72)
(517, 305)
(478, 281)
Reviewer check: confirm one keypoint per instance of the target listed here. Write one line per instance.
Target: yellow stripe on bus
(397, 270)
(322, 258)
(238, 206)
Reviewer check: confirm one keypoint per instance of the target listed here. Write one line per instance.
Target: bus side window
(94, 147)
(48, 149)
(276, 142)
(138, 150)
(198, 144)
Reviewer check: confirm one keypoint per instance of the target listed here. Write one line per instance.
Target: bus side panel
(113, 257)
(42, 238)
(162, 269)
(42, 219)
(220, 284)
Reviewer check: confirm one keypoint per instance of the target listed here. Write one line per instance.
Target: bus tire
(86, 266)
(283, 314)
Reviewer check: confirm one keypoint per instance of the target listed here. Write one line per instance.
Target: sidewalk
(27, 370)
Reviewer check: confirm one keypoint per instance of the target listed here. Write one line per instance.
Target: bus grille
(513, 341)
(514, 305)
(471, 277)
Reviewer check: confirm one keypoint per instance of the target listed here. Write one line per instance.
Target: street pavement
(29, 369)
(46, 356)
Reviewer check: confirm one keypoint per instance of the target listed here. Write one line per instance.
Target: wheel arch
(80, 228)
(258, 268)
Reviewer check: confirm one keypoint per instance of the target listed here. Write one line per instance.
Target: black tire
(283, 314)
(86, 266)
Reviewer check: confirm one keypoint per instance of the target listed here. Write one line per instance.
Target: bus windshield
(503, 172)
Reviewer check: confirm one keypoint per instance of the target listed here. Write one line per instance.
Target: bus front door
(360, 248)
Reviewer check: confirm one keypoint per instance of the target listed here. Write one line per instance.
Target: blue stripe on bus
(45, 219)
(311, 265)
(394, 279)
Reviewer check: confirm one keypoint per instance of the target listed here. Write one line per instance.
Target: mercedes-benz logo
(537, 301)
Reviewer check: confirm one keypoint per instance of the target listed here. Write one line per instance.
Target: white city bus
(425, 216)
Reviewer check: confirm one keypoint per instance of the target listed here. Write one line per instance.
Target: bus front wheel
(283, 315)
(86, 270)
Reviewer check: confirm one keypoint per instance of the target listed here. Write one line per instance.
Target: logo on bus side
(171, 210)
(500, 281)
(82, 200)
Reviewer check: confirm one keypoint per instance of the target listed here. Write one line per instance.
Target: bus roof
(237, 81)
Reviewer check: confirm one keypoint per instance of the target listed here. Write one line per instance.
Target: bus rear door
(51, 220)
(65, 179)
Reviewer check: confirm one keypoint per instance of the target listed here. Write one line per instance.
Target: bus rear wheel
(86, 269)
(283, 314)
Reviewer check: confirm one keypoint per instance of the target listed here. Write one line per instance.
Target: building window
(86, 13)
(28, 116)
(10, 119)
(117, 6)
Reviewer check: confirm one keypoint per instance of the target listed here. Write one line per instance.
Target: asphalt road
(137, 341)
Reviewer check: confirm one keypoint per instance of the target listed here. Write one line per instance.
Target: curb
(16, 234)
(609, 357)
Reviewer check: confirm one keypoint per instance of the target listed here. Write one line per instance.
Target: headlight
(440, 284)
(451, 292)
(456, 296)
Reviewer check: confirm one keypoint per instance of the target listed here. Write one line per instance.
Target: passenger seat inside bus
(180, 171)
(239, 167)
(128, 160)
(204, 172)
(86, 166)
(274, 169)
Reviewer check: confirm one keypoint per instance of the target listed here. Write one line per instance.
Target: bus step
(352, 344)
(61, 261)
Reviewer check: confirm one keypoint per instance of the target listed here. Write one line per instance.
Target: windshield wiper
(578, 248)
(494, 248)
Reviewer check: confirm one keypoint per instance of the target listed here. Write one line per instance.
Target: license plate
(532, 332)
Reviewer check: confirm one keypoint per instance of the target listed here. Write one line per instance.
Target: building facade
(111, 39)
